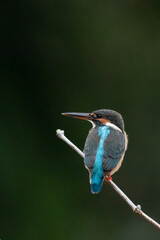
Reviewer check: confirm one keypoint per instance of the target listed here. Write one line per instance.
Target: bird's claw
(108, 177)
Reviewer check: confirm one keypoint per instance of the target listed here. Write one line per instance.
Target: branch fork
(136, 209)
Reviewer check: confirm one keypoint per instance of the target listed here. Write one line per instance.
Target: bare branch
(136, 209)
(60, 134)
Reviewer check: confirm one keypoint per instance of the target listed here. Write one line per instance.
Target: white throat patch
(113, 126)
(107, 124)
(93, 124)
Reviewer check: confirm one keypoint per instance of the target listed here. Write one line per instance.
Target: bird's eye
(99, 116)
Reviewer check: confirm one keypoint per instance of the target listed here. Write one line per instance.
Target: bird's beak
(84, 116)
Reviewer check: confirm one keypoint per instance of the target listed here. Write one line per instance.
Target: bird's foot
(108, 177)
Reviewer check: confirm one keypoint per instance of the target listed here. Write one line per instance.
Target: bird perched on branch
(105, 145)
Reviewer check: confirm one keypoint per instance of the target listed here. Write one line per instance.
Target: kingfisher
(105, 145)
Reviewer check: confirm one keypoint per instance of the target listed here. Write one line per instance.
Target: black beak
(84, 116)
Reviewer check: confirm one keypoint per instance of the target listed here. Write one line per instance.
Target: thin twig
(136, 209)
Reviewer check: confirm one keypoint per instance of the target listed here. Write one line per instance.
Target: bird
(105, 145)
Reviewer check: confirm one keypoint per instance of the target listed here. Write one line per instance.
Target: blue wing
(114, 148)
(90, 148)
(110, 149)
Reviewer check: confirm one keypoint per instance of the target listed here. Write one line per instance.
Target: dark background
(81, 56)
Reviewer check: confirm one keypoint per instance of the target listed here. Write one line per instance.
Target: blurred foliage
(77, 56)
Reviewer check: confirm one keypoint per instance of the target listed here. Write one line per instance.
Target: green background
(59, 56)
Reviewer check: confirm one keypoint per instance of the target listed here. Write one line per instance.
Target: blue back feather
(97, 174)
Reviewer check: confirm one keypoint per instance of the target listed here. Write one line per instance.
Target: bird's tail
(96, 183)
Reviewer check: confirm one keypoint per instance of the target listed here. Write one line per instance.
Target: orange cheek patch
(92, 115)
(104, 121)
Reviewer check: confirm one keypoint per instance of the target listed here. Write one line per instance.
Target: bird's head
(100, 117)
